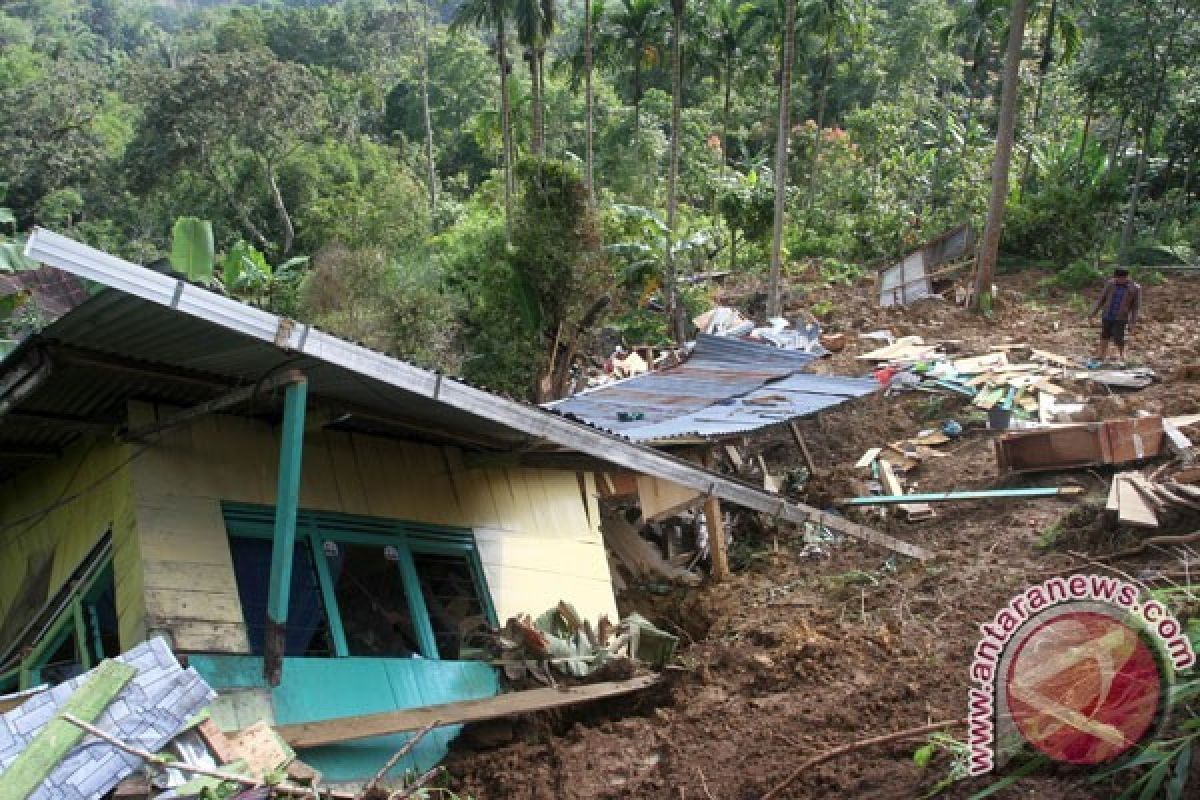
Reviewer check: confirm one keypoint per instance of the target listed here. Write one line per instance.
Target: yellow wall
(99, 474)
(537, 530)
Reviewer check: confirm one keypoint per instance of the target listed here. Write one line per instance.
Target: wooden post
(287, 502)
(808, 460)
(716, 531)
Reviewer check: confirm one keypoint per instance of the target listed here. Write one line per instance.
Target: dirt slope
(796, 655)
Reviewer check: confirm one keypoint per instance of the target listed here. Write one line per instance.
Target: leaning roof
(160, 337)
(726, 387)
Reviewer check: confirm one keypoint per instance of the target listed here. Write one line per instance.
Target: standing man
(1120, 303)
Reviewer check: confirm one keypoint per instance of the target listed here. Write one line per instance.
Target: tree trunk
(588, 100)
(505, 126)
(285, 219)
(816, 159)
(774, 300)
(535, 102)
(725, 113)
(674, 307)
(637, 98)
(1187, 186)
(1135, 192)
(732, 249)
(985, 268)
(935, 181)
(1087, 126)
(1043, 69)
(430, 166)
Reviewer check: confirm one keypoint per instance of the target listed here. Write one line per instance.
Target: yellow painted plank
(345, 473)
(196, 606)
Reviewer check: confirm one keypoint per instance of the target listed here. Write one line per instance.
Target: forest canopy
(476, 186)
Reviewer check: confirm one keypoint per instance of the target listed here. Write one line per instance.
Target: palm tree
(536, 21)
(734, 29)
(588, 99)
(1061, 28)
(673, 306)
(635, 30)
(492, 14)
(774, 304)
(985, 266)
(830, 21)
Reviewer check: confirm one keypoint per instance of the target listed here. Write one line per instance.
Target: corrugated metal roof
(726, 387)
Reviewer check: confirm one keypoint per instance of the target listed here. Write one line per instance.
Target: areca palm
(1061, 32)
(536, 21)
(493, 15)
(734, 28)
(774, 304)
(831, 22)
(633, 34)
(673, 306)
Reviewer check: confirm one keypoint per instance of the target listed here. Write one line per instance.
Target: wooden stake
(808, 460)
(716, 531)
(401, 753)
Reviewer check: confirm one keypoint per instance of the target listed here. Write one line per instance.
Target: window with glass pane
(370, 597)
(451, 595)
(307, 623)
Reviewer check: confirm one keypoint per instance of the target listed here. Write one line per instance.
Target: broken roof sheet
(726, 387)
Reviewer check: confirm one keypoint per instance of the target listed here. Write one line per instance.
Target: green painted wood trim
(287, 501)
(82, 654)
(935, 497)
(58, 737)
(333, 613)
(416, 601)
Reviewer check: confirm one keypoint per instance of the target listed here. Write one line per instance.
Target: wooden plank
(1053, 358)
(887, 476)
(1180, 444)
(198, 605)
(1114, 494)
(1132, 507)
(58, 737)
(868, 458)
(735, 456)
(808, 459)
(261, 748)
(347, 729)
(716, 538)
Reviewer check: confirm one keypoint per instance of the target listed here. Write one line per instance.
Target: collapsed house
(317, 527)
(927, 270)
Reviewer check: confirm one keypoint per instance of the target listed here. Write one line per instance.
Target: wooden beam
(79, 357)
(29, 451)
(715, 523)
(348, 729)
(287, 504)
(58, 737)
(227, 400)
(808, 459)
(51, 420)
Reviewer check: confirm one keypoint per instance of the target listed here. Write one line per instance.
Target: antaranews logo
(1077, 667)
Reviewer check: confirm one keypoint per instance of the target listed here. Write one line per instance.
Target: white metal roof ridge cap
(48, 247)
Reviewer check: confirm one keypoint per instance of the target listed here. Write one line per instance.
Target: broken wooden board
(1132, 507)
(1113, 503)
(868, 458)
(639, 556)
(735, 457)
(1180, 444)
(348, 729)
(1053, 358)
(978, 364)
(261, 749)
(913, 512)
(1184, 421)
(1074, 446)
(907, 348)
(1189, 475)
(660, 499)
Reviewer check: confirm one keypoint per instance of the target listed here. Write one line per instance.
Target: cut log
(348, 729)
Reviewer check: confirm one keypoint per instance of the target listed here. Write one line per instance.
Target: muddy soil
(796, 655)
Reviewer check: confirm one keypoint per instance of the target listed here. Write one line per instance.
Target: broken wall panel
(1074, 446)
(911, 278)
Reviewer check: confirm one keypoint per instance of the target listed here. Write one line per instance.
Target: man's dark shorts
(1113, 329)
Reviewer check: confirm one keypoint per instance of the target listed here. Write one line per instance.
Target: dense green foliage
(370, 136)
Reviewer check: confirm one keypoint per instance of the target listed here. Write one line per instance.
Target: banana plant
(643, 255)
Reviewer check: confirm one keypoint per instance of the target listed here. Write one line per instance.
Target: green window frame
(318, 527)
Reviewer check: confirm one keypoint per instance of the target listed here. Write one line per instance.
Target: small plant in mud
(958, 753)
